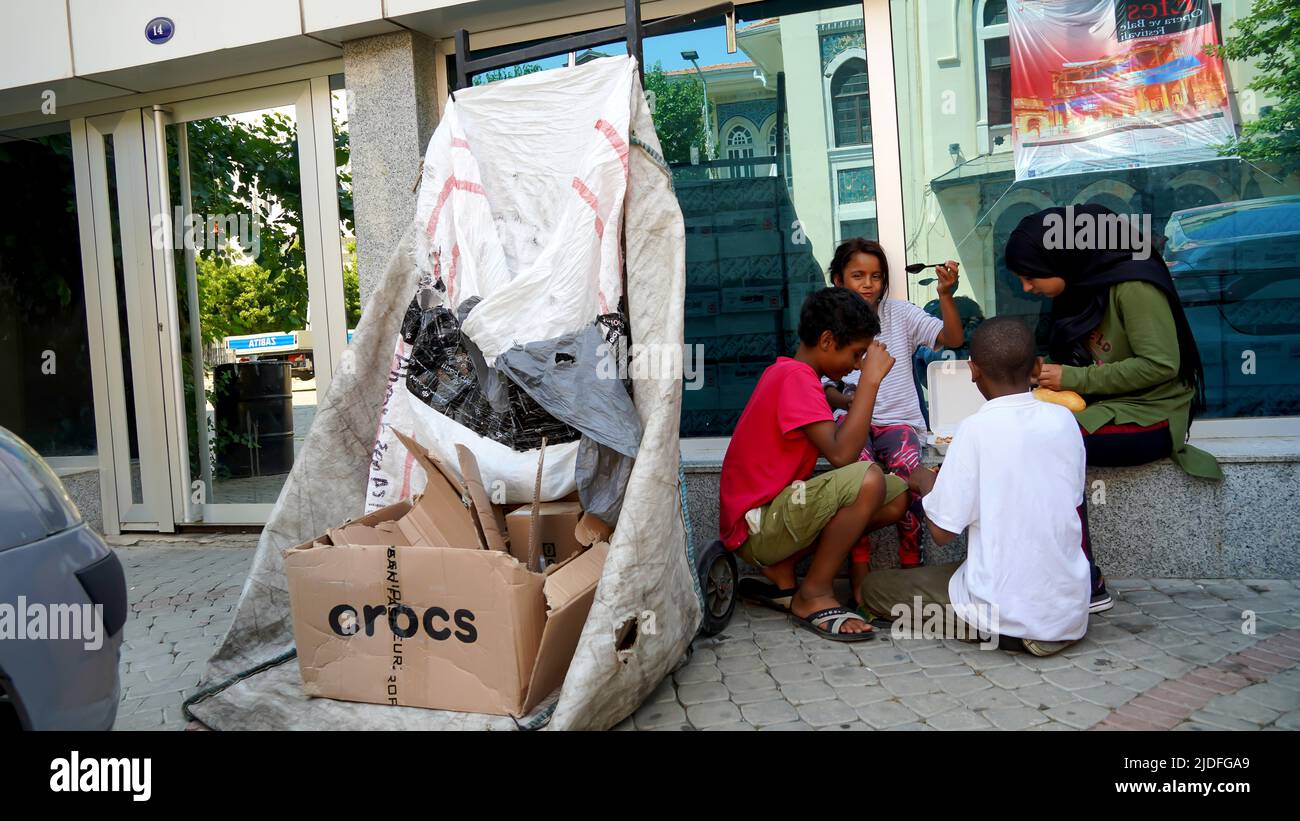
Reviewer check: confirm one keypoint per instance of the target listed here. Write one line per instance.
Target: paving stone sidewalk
(1170, 655)
(182, 593)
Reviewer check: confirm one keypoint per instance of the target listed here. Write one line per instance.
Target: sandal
(878, 622)
(766, 594)
(836, 618)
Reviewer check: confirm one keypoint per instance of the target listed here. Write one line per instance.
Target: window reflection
(762, 219)
(852, 108)
(770, 149)
(1230, 227)
(740, 146)
(44, 347)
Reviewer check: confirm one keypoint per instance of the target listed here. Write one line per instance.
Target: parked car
(54, 562)
(1237, 269)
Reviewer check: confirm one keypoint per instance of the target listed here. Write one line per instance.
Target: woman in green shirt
(1119, 338)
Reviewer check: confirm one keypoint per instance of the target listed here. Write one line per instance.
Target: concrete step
(1153, 520)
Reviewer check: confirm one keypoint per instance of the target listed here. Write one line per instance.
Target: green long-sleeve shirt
(1135, 378)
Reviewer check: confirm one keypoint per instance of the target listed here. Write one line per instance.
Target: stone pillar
(392, 111)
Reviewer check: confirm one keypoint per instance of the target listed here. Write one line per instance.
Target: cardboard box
(953, 397)
(554, 524)
(409, 606)
(592, 529)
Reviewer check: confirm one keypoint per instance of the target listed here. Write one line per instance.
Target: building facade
(130, 141)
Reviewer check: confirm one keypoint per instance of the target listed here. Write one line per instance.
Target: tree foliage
(678, 114)
(240, 167)
(1269, 37)
(508, 73)
(247, 298)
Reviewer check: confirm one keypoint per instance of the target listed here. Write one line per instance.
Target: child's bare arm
(921, 482)
(952, 335)
(837, 399)
(842, 444)
(941, 537)
(836, 442)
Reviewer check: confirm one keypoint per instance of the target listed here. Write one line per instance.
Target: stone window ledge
(705, 455)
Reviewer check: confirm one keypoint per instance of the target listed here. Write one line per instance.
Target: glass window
(44, 348)
(740, 146)
(1228, 225)
(760, 229)
(858, 228)
(347, 227)
(995, 12)
(997, 80)
(247, 340)
(780, 152)
(852, 108)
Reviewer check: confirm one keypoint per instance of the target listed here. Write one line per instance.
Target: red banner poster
(1105, 84)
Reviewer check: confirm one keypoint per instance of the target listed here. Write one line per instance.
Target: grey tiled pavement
(1170, 655)
(182, 594)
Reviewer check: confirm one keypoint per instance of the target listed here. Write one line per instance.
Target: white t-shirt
(1014, 474)
(903, 328)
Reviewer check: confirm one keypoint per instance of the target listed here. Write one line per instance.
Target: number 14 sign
(159, 30)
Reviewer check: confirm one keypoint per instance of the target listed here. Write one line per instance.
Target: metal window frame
(985, 130)
(878, 42)
(633, 31)
(106, 334)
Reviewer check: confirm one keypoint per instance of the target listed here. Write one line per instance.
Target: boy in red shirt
(772, 512)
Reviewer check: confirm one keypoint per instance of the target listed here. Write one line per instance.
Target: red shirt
(768, 451)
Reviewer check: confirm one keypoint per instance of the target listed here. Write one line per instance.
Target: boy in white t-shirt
(1013, 475)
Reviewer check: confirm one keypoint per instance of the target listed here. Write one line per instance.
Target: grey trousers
(883, 589)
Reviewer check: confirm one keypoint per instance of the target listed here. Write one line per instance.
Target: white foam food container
(953, 397)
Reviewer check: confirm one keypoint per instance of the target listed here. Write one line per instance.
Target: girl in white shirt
(897, 426)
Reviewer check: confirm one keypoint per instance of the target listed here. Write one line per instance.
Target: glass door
(259, 288)
(222, 230)
(111, 157)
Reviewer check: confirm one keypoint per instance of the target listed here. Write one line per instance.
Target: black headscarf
(1088, 275)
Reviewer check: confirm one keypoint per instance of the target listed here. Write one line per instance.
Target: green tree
(351, 283)
(504, 74)
(678, 116)
(238, 167)
(1269, 37)
(240, 298)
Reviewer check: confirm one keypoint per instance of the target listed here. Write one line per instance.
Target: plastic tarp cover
(571, 378)
(647, 575)
(602, 474)
(575, 378)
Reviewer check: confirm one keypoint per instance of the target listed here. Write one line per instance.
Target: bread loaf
(1069, 399)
